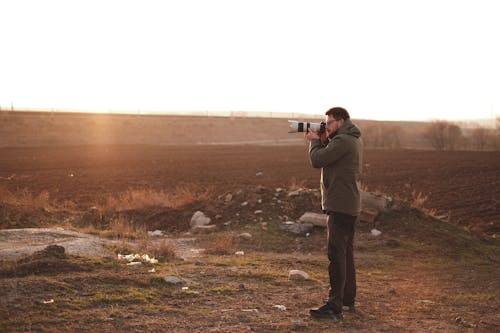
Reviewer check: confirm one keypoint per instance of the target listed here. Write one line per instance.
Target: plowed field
(463, 187)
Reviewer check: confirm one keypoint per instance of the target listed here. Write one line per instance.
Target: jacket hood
(348, 128)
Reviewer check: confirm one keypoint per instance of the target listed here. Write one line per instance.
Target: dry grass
(418, 200)
(26, 199)
(223, 244)
(162, 250)
(141, 198)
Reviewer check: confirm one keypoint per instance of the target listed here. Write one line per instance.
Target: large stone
(296, 228)
(316, 219)
(199, 219)
(174, 280)
(374, 201)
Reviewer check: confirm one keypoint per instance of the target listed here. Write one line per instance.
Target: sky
(383, 60)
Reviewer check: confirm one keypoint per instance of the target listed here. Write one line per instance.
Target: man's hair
(338, 113)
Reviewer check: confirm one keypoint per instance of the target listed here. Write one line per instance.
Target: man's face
(332, 124)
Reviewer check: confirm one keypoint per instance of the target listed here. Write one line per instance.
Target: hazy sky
(398, 60)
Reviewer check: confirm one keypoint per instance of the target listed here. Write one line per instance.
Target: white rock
(239, 253)
(243, 204)
(296, 274)
(316, 219)
(376, 232)
(259, 211)
(280, 307)
(199, 219)
(294, 193)
(245, 235)
(279, 189)
(373, 201)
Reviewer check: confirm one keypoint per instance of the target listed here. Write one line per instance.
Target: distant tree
(443, 135)
(480, 137)
(453, 135)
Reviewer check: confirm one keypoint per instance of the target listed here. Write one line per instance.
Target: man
(338, 153)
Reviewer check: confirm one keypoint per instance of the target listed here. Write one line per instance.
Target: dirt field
(461, 187)
(420, 275)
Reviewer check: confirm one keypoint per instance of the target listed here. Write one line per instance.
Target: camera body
(300, 126)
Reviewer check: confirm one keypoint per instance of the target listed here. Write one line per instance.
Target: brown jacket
(340, 161)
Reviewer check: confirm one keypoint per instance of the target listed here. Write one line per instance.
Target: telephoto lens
(300, 126)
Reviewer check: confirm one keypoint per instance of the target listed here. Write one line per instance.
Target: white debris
(376, 232)
(48, 301)
(185, 288)
(134, 263)
(250, 310)
(148, 259)
(280, 307)
(155, 233)
(239, 253)
(133, 256)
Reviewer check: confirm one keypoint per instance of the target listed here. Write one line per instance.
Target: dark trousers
(340, 253)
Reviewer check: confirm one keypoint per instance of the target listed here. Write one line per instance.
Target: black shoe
(349, 308)
(325, 311)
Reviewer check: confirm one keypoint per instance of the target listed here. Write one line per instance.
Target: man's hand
(309, 135)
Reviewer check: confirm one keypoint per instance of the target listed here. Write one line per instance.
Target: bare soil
(461, 187)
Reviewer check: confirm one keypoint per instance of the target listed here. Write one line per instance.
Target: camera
(300, 126)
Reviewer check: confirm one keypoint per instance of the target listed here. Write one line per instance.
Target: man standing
(338, 153)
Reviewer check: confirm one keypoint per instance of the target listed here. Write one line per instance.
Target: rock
(174, 280)
(280, 307)
(368, 215)
(294, 193)
(155, 233)
(258, 212)
(245, 235)
(199, 263)
(51, 251)
(199, 219)
(373, 201)
(203, 229)
(316, 219)
(228, 197)
(243, 204)
(259, 174)
(376, 232)
(296, 228)
(298, 275)
(239, 253)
